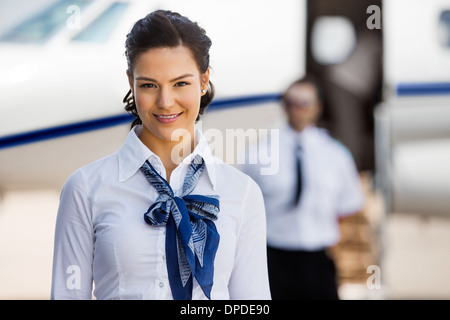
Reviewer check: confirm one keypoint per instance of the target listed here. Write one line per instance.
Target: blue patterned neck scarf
(191, 235)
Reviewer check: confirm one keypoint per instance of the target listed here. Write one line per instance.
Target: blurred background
(385, 66)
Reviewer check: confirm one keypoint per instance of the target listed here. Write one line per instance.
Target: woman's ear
(205, 81)
(130, 81)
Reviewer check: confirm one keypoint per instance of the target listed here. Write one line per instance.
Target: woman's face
(167, 87)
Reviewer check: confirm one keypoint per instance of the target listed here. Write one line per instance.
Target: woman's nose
(166, 98)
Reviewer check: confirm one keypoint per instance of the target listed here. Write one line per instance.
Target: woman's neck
(170, 152)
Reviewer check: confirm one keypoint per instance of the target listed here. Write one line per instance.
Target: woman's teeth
(167, 117)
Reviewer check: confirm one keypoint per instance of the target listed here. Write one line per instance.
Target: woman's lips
(167, 118)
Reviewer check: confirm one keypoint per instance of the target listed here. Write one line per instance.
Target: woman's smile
(168, 118)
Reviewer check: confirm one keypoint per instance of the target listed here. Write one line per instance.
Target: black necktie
(298, 163)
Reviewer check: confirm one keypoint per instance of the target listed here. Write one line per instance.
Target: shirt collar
(134, 153)
(303, 136)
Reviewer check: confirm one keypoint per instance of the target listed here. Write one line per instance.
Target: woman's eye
(181, 84)
(147, 85)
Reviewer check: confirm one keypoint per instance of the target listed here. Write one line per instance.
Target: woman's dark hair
(163, 28)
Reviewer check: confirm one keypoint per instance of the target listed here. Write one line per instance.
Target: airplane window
(42, 26)
(333, 38)
(444, 29)
(101, 28)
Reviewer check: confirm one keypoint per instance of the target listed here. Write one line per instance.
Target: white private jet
(63, 77)
(413, 121)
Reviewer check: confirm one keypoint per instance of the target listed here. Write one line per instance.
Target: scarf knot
(191, 235)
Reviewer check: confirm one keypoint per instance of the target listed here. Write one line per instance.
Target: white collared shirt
(331, 189)
(103, 243)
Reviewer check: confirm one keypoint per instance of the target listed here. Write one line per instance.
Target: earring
(204, 90)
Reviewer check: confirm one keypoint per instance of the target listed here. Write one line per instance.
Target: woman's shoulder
(96, 168)
(227, 168)
(232, 177)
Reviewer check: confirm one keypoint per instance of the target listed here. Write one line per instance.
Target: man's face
(302, 105)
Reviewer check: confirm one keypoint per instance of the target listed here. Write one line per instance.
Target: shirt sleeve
(73, 244)
(249, 279)
(351, 199)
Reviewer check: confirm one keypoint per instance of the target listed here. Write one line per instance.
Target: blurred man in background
(316, 184)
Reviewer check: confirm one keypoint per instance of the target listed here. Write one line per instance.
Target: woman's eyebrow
(187, 75)
(146, 79)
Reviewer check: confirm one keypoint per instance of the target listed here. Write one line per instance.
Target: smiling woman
(178, 31)
(167, 87)
(168, 72)
(145, 224)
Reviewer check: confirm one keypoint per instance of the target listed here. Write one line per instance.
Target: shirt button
(164, 258)
(161, 284)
